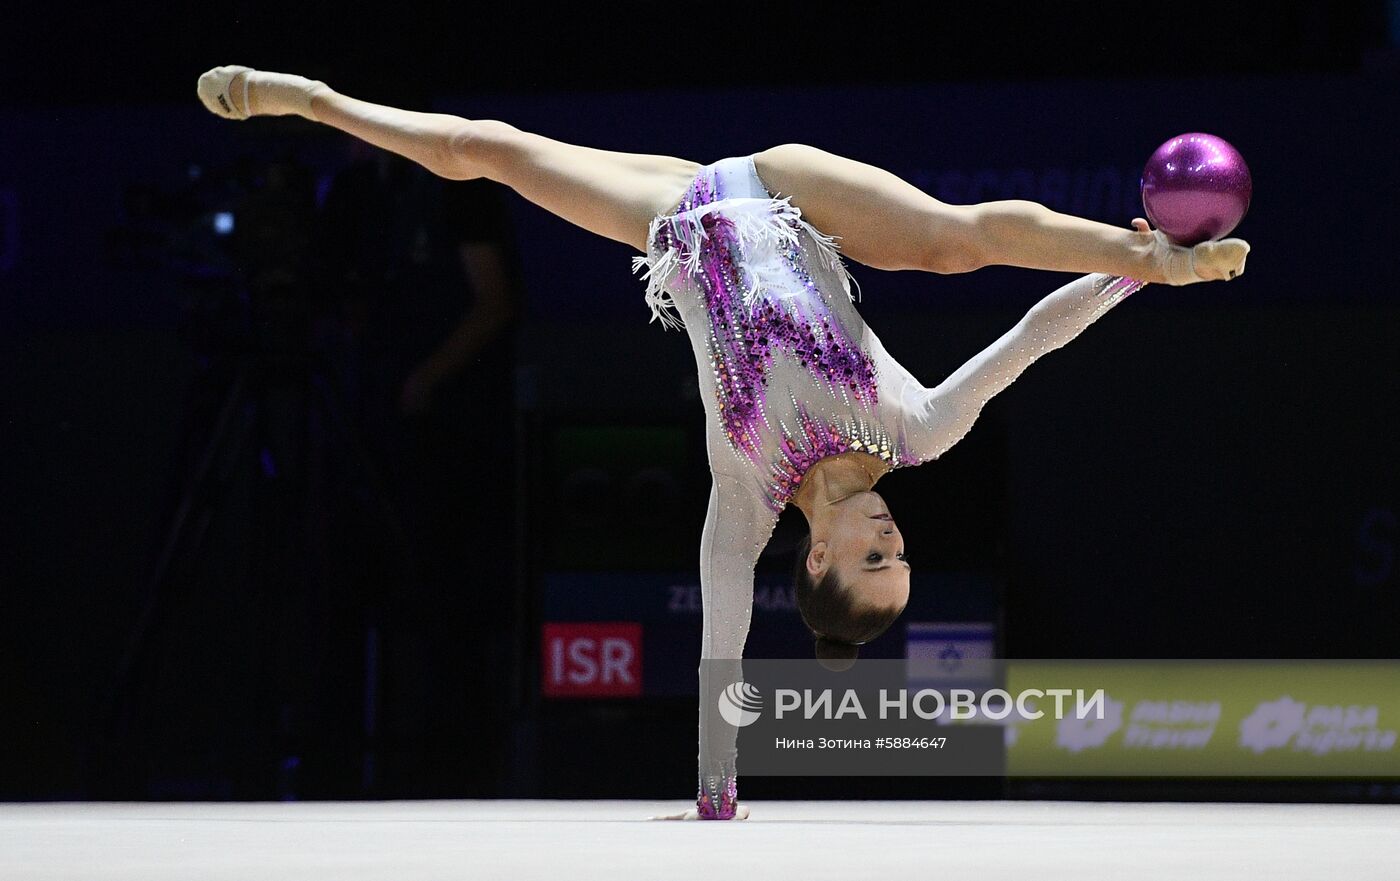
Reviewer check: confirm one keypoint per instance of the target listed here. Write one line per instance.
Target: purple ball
(1196, 188)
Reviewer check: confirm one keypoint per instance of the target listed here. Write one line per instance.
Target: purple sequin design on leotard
(743, 341)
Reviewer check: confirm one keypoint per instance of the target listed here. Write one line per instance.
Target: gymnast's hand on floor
(1175, 264)
(741, 812)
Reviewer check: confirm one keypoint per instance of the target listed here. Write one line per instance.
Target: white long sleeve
(939, 417)
(738, 524)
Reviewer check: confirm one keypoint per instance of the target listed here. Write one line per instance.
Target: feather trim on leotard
(658, 273)
(762, 226)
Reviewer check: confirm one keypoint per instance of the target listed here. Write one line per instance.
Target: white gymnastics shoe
(234, 91)
(216, 95)
(1221, 260)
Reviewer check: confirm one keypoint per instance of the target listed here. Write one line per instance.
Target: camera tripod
(280, 433)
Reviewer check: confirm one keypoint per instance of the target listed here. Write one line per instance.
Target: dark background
(1209, 471)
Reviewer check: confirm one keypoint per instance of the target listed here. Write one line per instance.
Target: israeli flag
(944, 654)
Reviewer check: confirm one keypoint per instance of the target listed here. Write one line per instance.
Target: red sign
(591, 659)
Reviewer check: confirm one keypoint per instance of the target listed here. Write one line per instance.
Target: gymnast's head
(850, 576)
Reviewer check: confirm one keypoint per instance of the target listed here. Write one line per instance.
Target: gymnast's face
(863, 543)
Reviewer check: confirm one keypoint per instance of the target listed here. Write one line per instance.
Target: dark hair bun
(836, 656)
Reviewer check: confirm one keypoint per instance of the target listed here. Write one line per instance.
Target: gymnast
(803, 405)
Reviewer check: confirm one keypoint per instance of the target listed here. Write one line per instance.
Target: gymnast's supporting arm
(738, 524)
(939, 417)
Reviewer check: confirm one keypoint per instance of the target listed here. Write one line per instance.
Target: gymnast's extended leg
(883, 221)
(613, 194)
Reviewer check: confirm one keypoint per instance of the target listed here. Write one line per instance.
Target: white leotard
(789, 374)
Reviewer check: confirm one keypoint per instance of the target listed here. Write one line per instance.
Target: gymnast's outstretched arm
(939, 417)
